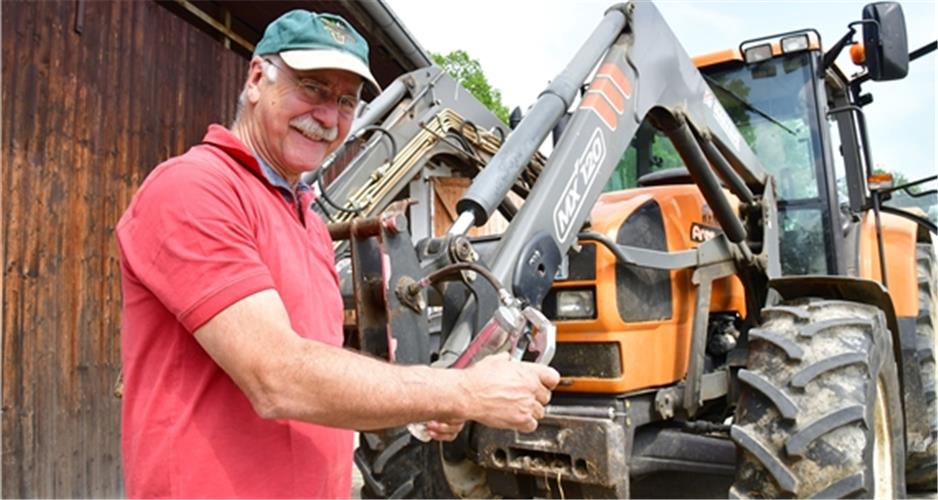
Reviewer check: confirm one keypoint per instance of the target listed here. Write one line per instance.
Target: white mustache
(312, 129)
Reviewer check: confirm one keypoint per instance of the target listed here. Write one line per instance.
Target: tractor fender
(899, 238)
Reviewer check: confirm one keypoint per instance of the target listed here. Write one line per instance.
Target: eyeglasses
(316, 92)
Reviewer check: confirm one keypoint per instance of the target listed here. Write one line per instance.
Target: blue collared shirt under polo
(276, 180)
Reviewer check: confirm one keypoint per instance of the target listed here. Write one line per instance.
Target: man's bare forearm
(327, 385)
(286, 376)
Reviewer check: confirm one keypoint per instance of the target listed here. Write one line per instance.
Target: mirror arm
(831, 55)
(924, 49)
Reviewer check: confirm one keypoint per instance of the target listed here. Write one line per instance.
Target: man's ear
(255, 77)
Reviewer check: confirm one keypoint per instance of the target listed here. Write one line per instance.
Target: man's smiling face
(296, 129)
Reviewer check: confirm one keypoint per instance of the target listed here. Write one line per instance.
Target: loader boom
(642, 71)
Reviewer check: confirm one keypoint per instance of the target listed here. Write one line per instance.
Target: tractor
(728, 291)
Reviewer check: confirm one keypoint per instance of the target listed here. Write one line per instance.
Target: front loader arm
(645, 71)
(642, 71)
(638, 70)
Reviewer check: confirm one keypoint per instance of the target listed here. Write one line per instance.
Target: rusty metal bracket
(390, 318)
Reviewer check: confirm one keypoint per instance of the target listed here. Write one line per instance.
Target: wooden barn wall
(85, 117)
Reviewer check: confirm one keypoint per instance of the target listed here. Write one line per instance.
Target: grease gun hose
(452, 268)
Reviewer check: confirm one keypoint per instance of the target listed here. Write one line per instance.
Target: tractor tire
(820, 412)
(395, 464)
(921, 464)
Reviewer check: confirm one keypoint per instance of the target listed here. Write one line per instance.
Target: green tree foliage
(468, 73)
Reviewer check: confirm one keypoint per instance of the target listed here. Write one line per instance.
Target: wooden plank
(446, 192)
(86, 120)
(16, 30)
(220, 26)
(38, 401)
(84, 124)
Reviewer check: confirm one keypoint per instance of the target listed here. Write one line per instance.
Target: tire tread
(798, 443)
(843, 488)
(792, 350)
(922, 461)
(812, 371)
(782, 474)
(783, 403)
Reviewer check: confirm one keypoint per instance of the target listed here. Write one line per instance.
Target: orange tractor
(720, 301)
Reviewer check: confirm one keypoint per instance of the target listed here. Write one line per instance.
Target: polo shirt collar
(276, 180)
(225, 140)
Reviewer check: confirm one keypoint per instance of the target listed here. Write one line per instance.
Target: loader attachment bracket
(383, 260)
(537, 265)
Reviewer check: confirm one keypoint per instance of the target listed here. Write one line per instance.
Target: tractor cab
(774, 93)
(802, 118)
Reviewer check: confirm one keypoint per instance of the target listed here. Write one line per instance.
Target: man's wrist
(458, 393)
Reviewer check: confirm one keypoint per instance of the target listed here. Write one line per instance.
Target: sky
(523, 44)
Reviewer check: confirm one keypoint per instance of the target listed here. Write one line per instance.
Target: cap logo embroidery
(338, 32)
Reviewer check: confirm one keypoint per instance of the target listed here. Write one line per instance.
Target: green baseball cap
(306, 40)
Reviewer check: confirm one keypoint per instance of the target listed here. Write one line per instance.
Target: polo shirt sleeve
(188, 237)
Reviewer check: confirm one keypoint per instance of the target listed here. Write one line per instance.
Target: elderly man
(236, 384)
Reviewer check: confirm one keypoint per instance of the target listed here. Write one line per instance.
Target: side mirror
(885, 42)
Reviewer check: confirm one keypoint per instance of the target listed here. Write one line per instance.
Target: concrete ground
(356, 482)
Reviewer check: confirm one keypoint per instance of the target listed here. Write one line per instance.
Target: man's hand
(444, 430)
(508, 394)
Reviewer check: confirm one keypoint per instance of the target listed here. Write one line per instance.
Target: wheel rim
(464, 478)
(882, 447)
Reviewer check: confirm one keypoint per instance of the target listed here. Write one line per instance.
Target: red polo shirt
(205, 230)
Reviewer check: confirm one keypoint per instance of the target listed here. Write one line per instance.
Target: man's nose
(327, 114)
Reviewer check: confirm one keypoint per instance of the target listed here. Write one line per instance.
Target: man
(236, 384)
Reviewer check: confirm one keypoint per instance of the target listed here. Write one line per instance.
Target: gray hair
(270, 73)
